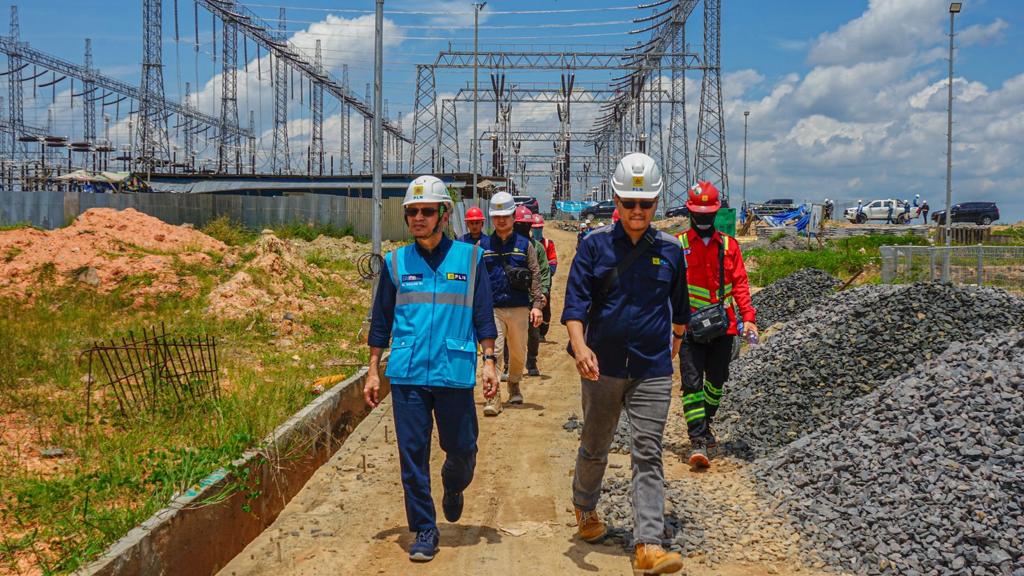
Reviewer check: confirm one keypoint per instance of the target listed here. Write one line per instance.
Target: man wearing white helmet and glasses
(433, 305)
(626, 309)
(514, 271)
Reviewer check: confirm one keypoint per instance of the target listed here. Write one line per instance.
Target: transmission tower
(449, 145)
(678, 173)
(188, 130)
(424, 122)
(710, 163)
(280, 160)
(17, 105)
(152, 131)
(345, 163)
(316, 98)
(229, 147)
(88, 105)
(367, 138)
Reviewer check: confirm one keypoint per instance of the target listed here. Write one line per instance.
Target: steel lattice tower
(188, 131)
(229, 146)
(678, 173)
(281, 158)
(16, 114)
(367, 138)
(152, 132)
(345, 162)
(710, 155)
(316, 99)
(424, 122)
(449, 144)
(88, 100)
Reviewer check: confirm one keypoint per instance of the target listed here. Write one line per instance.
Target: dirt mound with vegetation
(106, 249)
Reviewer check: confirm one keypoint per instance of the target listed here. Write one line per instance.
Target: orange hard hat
(523, 214)
(538, 221)
(615, 215)
(702, 198)
(474, 214)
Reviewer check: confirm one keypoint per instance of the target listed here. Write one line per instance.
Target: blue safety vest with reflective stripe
(433, 340)
(514, 252)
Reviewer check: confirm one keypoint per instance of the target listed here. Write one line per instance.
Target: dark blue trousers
(416, 408)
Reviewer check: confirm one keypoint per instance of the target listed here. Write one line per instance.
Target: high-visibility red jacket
(702, 275)
(549, 247)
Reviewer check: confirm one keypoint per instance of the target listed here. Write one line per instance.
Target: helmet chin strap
(440, 216)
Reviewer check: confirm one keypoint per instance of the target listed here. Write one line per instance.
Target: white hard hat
(637, 176)
(502, 204)
(427, 189)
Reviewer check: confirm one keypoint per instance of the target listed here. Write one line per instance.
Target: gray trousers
(646, 402)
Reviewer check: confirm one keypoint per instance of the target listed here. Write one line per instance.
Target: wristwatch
(490, 357)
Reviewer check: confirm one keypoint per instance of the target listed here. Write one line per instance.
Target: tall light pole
(746, 114)
(954, 9)
(477, 7)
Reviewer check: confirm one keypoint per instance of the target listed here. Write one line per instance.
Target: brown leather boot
(653, 559)
(589, 525)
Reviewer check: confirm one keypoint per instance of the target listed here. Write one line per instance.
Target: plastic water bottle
(751, 337)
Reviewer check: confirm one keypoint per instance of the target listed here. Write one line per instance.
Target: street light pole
(477, 7)
(746, 115)
(954, 9)
(378, 109)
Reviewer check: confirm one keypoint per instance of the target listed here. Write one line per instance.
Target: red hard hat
(702, 198)
(523, 214)
(474, 214)
(538, 221)
(615, 215)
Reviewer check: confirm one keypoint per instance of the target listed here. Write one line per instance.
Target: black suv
(981, 213)
(528, 201)
(677, 211)
(599, 210)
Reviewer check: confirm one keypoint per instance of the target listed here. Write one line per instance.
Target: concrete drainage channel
(203, 529)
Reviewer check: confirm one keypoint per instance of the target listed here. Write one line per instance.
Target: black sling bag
(712, 321)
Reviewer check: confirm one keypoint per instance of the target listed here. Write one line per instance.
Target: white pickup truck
(879, 210)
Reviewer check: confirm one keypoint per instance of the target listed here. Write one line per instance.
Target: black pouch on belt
(712, 321)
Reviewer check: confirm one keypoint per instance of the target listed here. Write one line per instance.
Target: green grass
(119, 474)
(229, 232)
(235, 233)
(16, 226)
(309, 232)
(841, 258)
(1016, 233)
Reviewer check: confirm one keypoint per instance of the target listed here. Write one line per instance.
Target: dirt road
(518, 516)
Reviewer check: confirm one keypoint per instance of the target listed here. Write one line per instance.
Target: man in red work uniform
(549, 249)
(705, 365)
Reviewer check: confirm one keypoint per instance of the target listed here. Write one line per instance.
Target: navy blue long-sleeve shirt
(383, 315)
(630, 331)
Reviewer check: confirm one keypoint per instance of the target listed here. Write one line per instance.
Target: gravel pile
(620, 442)
(923, 476)
(787, 297)
(844, 348)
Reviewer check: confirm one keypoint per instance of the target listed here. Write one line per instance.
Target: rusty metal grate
(154, 373)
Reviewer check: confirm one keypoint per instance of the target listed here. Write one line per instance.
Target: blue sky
(847, 98)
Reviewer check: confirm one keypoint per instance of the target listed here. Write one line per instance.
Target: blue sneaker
(452, 506)
(425, 546)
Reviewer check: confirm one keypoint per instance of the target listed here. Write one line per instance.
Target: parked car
(784, 202)
(981, 213)
(879, 210)
(773, 207)
(528, 201)
(677, 211)
(600, 210)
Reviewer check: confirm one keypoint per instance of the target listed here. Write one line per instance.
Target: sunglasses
(414, 212)
(630, 204)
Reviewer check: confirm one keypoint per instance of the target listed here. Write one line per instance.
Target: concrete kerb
(204, 528)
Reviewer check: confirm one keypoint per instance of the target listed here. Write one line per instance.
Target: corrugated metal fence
(51, 209)
(1001, 266)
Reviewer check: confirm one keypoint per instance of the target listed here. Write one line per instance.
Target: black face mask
(703, 223)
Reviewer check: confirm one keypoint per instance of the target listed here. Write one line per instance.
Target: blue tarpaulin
(573, 206)
(781, 219)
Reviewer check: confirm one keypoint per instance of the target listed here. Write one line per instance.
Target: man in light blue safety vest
(433, 305)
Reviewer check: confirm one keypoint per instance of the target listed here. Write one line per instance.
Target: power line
(441, 13)
(350, 23)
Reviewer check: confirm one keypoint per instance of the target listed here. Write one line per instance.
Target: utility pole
(477, 7)
(746, 114)
(378, 108)
(954, 9)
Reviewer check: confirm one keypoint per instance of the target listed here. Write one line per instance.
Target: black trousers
(704, 369)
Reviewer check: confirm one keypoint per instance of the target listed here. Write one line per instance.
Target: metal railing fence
(999, 266)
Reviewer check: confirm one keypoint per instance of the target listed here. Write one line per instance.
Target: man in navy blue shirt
(624, 334)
